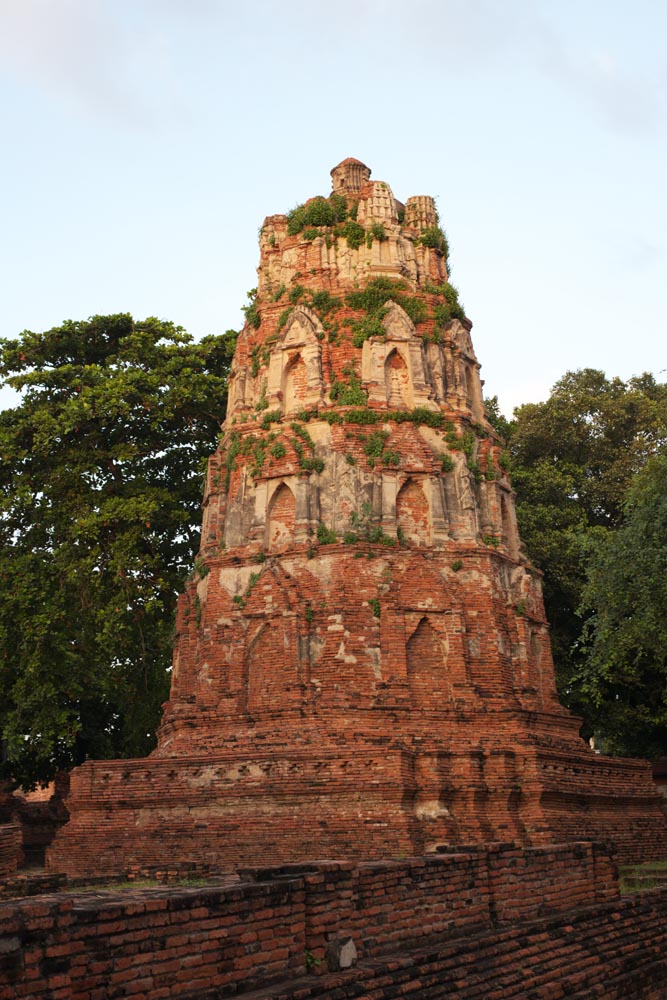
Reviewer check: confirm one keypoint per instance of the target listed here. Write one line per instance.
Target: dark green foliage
(348, 393)
(415, 308)
(373, 297)
(623, 675)
(308, 462)
(369, 326)
(376, 232)
(271, 417)
(465, 442)
(251, 310)
(372, 300)
(284, 316)
(450, 309)
(375, 448)
(365, 529)
(317, 212)
(326, 536)
(323, 302)
(573, 459)
(100, 490)
(375, 443)
(434, 237)
(339, 205)
(365, 417)
(353, 233)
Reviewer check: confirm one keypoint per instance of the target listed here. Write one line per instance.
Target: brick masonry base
(226, 811)
(495, 921)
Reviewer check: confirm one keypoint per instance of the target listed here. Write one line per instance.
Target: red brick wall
(295, 383)
(10, 847)
(172, 942)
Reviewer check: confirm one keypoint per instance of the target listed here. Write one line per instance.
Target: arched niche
(426, 661)
(281, 518)
(294, 383)
(382, 360)
(299, 344)
(397, 381)
(413, 516)
(271, 671)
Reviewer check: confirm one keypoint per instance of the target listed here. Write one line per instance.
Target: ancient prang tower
(362, 663)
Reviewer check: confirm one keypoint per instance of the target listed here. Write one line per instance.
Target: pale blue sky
(144, 141)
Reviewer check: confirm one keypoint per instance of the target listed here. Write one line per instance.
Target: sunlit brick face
(280, 527)
(412, 515)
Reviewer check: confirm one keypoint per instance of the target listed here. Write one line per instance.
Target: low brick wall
(165, 943)
(614, 951)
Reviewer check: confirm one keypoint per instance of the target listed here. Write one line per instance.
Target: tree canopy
(100, 490)
(574, 457)
(623, 673)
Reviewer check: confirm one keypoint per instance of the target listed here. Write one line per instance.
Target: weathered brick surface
(10, 847)
(427, 913)
(616, 951)
(362, 664)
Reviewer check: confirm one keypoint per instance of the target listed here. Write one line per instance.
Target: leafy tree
(573, 459)
(100, 489)
(623, 677)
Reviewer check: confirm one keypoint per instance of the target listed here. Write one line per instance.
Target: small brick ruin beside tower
(362, 665)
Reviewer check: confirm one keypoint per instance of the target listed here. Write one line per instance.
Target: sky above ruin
(144, 141)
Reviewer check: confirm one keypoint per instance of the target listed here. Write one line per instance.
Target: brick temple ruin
(362, 664)
(362, 672)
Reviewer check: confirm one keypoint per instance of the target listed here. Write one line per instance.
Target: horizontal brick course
(261, 930)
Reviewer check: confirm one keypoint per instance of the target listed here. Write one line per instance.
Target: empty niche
(280, 522)
(397, 380)
(269, 675)
(295, 384)
(412, 513)
(425, 656)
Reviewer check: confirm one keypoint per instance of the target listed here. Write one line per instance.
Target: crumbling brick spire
(362, 663)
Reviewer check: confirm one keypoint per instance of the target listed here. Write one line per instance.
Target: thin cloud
(78, 51)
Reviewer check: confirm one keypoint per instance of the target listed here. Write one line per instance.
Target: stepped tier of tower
(362, 662)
